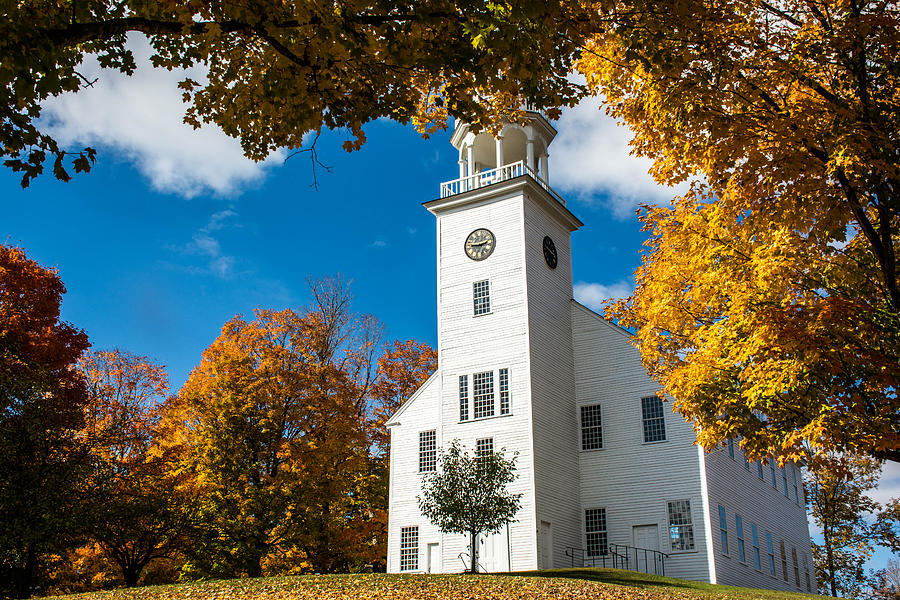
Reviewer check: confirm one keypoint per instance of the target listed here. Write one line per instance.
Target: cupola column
(462, 163)
(499, 150)
(544, 173)
(529, 154)
(470, 159)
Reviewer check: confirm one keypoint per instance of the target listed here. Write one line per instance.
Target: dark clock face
(550, 252)
(479, 244)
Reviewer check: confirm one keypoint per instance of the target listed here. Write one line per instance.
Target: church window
(654, 419)
(427, 451)
(770, 550)
(483, 447)
(723, 529)
(772, 469)
(784, 480)
(754, 539)
(739, 529)
(595, 531)
(482, 297)
(746, 460)
(504, 391)
(409, 548)
(794, 478)
(463, 397)
(806, 571)
(591, 427)
(783, 562)
(483, 394)
(731, 448)
(759, 470)
(681, 527)
(796, 566)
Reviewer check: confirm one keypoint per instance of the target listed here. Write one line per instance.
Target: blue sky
(174, 232)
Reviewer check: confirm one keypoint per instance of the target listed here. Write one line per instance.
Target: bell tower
(505, 353)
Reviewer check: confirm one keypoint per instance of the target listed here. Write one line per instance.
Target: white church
(609, 475)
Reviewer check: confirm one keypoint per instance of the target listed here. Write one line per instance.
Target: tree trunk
(473, 555)
(131, 575)
(24, 578)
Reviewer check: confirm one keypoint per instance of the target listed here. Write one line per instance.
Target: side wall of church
(735, 485)
(633, 480)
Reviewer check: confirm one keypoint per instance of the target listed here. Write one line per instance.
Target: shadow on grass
(617, 577)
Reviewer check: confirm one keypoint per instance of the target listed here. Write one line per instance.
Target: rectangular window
(754, 539)
(730, 443)
(739, 530)
(481, 293)
(427, 451)
(806, 571)
(484, 446)
(746, 460)
(595, 531)
(723, 529)
(772, 469)
(463, 397)
(784, 480)
(504, 391)
(759, 471)
(771, 552)
(409, 548)
(783, 562)
(796, 566)
(483, 394)
(591, 427)
(794, 478)
(681, 528)
(654, 419)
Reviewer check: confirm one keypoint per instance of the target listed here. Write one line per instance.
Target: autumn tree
(279, 70)
(469, 494)
(767, 304)
(273, 425)
(133, 521)
(886, 582)
(836, 487)
(887, 526)
(42, 462)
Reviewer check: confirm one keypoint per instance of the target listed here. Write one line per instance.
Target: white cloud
(594, 295)
(379, 244)
(140, 117)
(888, 484)
(591, 156)
(206, 246)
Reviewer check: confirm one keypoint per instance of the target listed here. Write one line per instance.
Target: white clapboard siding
(634, 481)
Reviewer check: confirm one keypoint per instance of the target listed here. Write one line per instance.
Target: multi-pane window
(504, 391)
(681, 528)
(806, 571)
(409, 548)
(463, 397)
(483, 394)
(796, 492)
(654, 419)
(730, 443)
(759, 471)
(723, 529)
(591, 427)
(484, 446)
(481, 294)
(754, 539)
(796, 566)
(772, 469)
(784, 480)
(783, 562)
(595, 531)
(746, 461)
(739, 530)
(427, 451)
(771, 552)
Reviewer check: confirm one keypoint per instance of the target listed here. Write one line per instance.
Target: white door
(546, 543)
(493, 551)
(646, 537)
(434, 558)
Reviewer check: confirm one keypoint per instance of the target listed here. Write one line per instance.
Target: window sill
(589, 450)
(490, 312)
(480, 419)
(694, 551)
(654, 442)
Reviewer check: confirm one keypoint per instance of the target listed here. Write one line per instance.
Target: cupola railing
(497, 175)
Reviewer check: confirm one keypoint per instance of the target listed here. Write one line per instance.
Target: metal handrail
(462, 556)
(496, 175)
(619, 556)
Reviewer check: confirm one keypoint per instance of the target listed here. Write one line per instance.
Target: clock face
(479, 244)
(550, 252)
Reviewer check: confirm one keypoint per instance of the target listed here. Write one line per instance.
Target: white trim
(707, 521)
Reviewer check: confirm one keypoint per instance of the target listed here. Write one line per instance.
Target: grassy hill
(557, 584)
